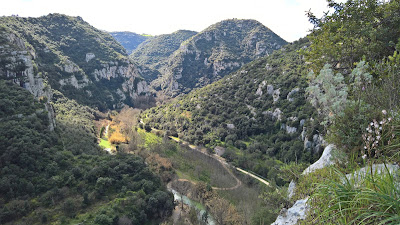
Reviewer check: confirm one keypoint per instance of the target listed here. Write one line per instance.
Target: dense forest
(63, 175)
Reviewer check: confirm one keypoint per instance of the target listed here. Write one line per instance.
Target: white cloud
(285, 17)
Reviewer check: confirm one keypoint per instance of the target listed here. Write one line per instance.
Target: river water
(200, 209)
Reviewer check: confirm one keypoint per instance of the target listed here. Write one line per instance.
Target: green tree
(328, 93)
(355, 29)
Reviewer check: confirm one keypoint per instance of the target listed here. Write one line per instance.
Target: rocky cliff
(17, 64)
(215, 52)
(69, 55)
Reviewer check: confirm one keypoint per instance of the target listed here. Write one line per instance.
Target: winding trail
(224, 164)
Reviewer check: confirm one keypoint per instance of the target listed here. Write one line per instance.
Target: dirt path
(252, 175)
(216, 157)
(224, 164)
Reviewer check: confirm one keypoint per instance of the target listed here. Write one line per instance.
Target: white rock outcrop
(376, 169)
(230, 126)
(32, 82)
(292, 215)
(276, 114)
(291, 189)
(89, 56)
(324, 161)
(70, 67)
(259, 91)
(299, 210)
(276, 94)
(290, 130)
(292, 92)
(270, 89)
(78, 84)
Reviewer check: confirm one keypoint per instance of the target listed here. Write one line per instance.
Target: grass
(104, 144)
(367, 199)
(149, 138)
(246, 198)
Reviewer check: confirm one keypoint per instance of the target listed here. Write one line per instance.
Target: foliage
(155, 51)
(257, 138)
(327, 93)
(383, 93)
(347, 128)
(216, 52)
(362, 199)
(353, 30)
(104, 144)
(381, 139)
(57, 42)
(49, 176)
(129, 40)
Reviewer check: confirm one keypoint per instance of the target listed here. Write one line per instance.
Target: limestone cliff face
(15, 51)
(215, 52)
(67, 54)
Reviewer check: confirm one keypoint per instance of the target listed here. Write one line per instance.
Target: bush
(348, 127)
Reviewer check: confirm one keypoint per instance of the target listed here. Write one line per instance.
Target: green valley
(229, 125)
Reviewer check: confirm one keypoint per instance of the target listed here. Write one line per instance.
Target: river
(200, 209)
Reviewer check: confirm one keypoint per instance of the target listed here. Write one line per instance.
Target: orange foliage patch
(116, 137)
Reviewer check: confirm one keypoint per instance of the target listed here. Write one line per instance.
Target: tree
(327, 93)
(355, 29)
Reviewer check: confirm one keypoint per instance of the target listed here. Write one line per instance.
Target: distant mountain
(215, 52)
(154, 52)
(129, 40)
(69, 55)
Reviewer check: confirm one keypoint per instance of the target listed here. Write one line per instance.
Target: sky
(285, 17)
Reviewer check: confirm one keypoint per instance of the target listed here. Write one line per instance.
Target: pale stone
(292, 92)
(276, 94)
(292, 215)
(291, 189)
(89, 56)
(230, 126)
(324, 161)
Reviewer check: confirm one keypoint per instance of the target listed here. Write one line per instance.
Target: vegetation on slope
(129, 40)
(237, 113)
(215, 52)
(363, 46)
(356, 99)
(155, 51)
(62, 175)
(59, 46)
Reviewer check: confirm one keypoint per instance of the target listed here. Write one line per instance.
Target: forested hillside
(62, 175)
(129, 40)
(250, 114)
(215, 52)
(56, 72)
(71, 56)
(336, 86)
(155, 51)
(259, 113)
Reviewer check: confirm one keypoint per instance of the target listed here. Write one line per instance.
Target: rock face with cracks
(83, 63)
